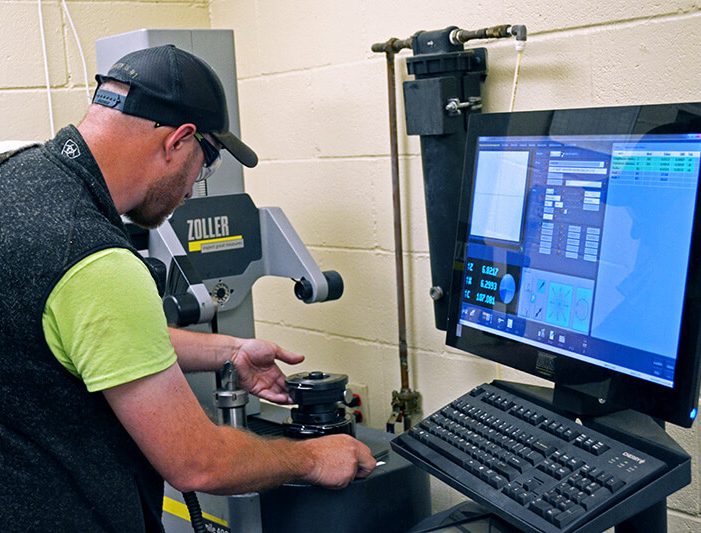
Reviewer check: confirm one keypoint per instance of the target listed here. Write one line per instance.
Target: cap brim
(237, 148)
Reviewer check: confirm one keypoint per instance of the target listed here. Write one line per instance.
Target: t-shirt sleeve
(104, 321)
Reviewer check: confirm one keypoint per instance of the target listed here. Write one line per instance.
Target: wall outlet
(360, 398)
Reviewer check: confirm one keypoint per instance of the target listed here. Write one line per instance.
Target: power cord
(520, 33)
(46, 69)
(46, 60)
(80, 49)
(519, 55)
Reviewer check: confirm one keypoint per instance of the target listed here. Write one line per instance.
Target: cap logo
(125, 67)
(70, 149)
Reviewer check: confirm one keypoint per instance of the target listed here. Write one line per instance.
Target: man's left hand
(254, 360)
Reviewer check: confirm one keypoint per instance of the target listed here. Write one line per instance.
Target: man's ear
(175, 139)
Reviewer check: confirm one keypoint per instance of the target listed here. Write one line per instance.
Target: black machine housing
(443, 71)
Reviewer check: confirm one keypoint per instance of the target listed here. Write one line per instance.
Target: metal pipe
(405, 402)
(495, 32)
(397, 210)
(392, 45)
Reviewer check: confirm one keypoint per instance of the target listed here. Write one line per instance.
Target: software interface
(580, 245)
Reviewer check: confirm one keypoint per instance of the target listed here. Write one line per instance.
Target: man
(94, 408)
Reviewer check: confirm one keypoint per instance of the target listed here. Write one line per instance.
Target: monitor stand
(630, 427)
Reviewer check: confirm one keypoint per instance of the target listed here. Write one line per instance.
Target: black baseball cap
(173, 87)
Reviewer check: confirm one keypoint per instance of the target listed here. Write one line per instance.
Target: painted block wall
(23, 102)
(314, 105)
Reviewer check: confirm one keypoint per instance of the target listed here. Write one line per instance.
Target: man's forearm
(162, 415)
(199, 352)
(241, 462)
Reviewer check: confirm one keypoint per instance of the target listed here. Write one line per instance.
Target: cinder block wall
(24, 107)
(314, 105)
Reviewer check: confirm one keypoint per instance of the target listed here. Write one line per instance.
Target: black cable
(193, 507)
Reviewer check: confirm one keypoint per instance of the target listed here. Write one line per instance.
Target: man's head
(172, 87)
(157, 125)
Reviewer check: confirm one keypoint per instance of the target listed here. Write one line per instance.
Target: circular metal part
(230, 399)
(238, 418)
(436, 293)
(303, 289)
(294, 430)
(320, 411)
(347, 396)
(220, 293)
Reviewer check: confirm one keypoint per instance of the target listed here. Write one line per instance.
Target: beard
(162, 197)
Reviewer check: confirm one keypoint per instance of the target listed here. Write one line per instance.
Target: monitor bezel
(670, 404)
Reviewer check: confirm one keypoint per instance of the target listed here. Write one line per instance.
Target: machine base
(392, 499)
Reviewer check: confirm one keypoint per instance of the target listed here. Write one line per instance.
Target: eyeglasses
(212, 158)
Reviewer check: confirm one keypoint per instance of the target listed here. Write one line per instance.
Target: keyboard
(533, 467)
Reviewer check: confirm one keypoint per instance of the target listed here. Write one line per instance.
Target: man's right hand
(336, 460)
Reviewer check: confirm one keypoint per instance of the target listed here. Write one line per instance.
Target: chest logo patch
(70, 149)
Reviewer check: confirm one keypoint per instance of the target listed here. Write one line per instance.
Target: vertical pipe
(396, 204)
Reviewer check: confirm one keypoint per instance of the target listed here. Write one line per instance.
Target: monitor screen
(576, 250)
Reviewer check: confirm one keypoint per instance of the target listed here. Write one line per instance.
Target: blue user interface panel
(580, 245)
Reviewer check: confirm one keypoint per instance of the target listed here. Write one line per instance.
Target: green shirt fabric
(104, 321)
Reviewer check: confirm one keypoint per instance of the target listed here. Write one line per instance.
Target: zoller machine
(213, 249)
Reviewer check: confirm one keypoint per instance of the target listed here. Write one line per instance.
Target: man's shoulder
(113, 267)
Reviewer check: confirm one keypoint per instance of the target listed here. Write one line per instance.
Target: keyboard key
(553, 427)
(505, 470)
(497, 481)
(567, 517)
(594, 473)
(534, 457)
(543, 448)
(569, 434)
(562, 488)
(595, 498)
(592, 487)
(574, 463)
(531, 484)
(599, 448)
(540, 507)
(518, 464)
(614, 484)
(524, 497)
(510, 488)
(602, 477)
(536, 418)
(560, 473)
(550, 514)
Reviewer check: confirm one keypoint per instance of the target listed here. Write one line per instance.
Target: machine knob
(181, 310)
(303, 289)
(335, 283)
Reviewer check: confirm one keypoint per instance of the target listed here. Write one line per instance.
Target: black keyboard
(537, 469)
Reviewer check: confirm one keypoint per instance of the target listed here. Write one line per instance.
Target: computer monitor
(578, 255)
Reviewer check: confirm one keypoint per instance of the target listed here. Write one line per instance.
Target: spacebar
(445, 449)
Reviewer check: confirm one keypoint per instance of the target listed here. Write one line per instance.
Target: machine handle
(304, 290)
(181, 309)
